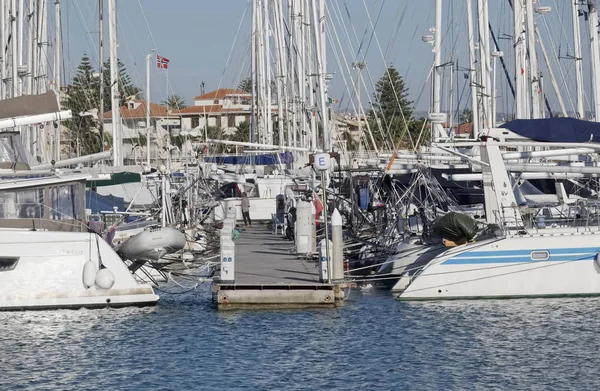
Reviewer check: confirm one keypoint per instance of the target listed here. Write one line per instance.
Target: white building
(134, 130)
(224, 108)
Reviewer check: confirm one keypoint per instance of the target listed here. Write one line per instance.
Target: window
(195, 122)
(65, 202)
(22, 204)
(540, 255)
(8, 263)
(231, 121)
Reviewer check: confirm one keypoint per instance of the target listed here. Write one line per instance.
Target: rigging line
(331, 26)
(376, 106)
(560, 68)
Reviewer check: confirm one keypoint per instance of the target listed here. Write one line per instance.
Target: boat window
(8, 263)
(22, 204)
(540, 255)
(65, 202)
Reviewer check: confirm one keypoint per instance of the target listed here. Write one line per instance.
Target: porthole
(540, 255)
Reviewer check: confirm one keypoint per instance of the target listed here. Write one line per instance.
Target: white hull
(46, 270)
(504, 268)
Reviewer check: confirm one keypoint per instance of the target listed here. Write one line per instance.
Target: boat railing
(581, 216)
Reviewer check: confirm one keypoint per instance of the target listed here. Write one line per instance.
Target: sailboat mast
(57, 72)
(534, 73)
(472, 70)
(268, 139)
(114, 83)
(101, 68)
(594, 56)
(578, 60)
(484, 55)
(253, 103)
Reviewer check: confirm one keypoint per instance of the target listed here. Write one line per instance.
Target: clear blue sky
(198, 35)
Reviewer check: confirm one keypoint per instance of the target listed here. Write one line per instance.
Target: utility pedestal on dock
(268, 275)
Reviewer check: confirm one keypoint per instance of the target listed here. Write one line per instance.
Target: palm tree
(174, 102)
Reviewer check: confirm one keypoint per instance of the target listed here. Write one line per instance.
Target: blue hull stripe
(523, 256)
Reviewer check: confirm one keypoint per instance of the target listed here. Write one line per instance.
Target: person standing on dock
(246, 209)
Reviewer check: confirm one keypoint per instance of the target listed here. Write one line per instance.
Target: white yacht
(547, 262)
(48, 259)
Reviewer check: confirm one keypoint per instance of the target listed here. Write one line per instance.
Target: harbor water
(373, 342)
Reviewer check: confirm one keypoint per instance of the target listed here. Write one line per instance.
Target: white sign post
(322, 164)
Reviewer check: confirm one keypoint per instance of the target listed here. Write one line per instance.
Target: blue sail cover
(560, 130)
(98, 203)
(261, 160)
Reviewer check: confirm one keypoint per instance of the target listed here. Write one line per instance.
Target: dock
(269, 275)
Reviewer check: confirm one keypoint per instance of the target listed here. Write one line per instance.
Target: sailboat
(516, 263)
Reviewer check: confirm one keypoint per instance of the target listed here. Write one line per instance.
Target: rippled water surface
(373, 342)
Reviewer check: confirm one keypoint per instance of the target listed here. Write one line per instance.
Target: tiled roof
(220, 93)
(156, 110)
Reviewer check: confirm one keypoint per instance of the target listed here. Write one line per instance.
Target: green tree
(126, 87)
(82, 97)
(245, 85)
(242, 133)
(466, 116)
(174, 102)
(392, 115)
(391, 96)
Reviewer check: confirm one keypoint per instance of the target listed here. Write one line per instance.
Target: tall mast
(436, 90)
(594, 56)
(253, 105)
(472, 71)
(322, 70)
(20, 41)
(280, 57)
(114, 82)
(578, 60)
(311, 38)
(520, 61)
(292, 69)
(268, 139)
(484, 55)
(101, 68)
(148, 56)
(57, 72)
(14, 84)
(534, 74)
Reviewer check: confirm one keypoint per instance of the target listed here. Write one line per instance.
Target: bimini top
(560, 130)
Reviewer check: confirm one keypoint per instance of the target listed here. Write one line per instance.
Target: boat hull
(47, 270)
(546, 265)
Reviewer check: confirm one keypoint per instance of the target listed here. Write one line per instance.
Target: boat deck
(269, 275)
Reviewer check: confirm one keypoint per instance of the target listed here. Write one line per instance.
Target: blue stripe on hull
(523, 256)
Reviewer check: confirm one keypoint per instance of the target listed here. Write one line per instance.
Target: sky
(208, 41)
(197, 37)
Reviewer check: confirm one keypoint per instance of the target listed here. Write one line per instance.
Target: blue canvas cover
(98, 203)
(561, 130)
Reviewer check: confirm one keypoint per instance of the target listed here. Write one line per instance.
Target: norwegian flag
(162, 62)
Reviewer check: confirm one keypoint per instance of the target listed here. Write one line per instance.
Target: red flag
(162, 62)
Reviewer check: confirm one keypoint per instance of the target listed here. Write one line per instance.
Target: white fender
(105, 279)
(89, 273)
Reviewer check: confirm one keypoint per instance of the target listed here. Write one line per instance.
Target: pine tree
(245, 85)
(81, 98)
(84, 96)
(392, 111)
(390, 91)
(126, 88)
